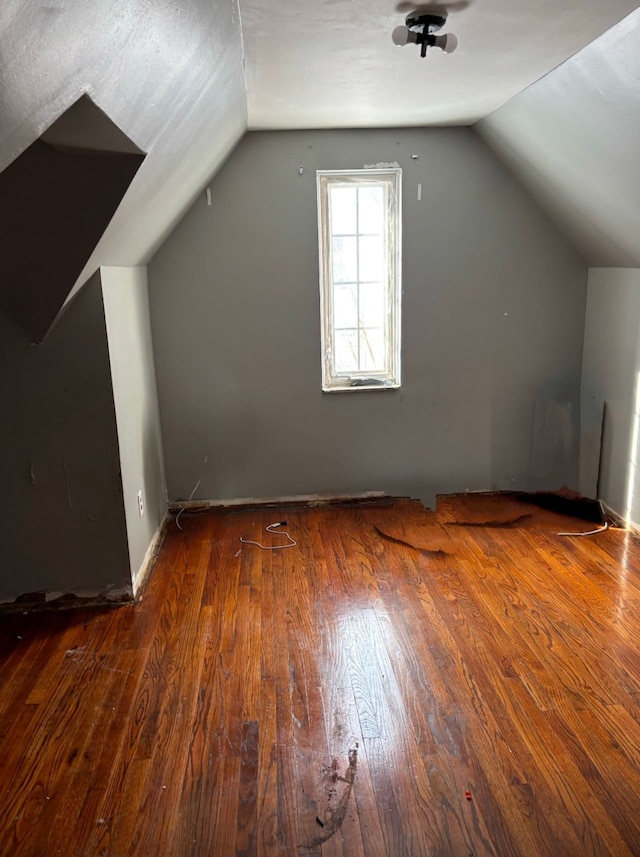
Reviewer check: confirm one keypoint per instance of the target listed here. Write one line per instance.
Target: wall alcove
(56, 200)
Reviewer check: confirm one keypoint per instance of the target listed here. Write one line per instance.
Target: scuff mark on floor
(424, 550)
(76, 650)
(510, 522)
(66, 482)
(333, 821)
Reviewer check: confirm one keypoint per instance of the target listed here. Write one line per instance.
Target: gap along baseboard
(617, 520)
(112, 596)
(293, 500)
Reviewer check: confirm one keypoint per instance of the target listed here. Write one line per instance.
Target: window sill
(361, 388)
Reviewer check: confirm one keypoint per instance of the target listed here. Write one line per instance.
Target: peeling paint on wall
(59, 599)
(382, 165)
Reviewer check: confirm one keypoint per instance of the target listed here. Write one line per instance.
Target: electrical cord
(271, 529)
(197, 485)
(195, 488)
(589, 532)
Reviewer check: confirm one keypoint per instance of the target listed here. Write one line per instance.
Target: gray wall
(62, 527)
(573, 138)
(611, 370)
(126, 303)
(493, 314)
(47, 195)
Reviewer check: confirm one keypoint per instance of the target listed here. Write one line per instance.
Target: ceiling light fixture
(419, 30)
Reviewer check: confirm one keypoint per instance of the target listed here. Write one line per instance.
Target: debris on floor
(510, 522)
(334, 819)
(564, 502)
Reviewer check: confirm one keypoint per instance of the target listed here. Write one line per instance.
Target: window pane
(372, 305)
(345, 305)
(345, 260)
(372, 261)
(359, 239)
(346, 350)
(343, 210)
(372, 350)
(370, 211)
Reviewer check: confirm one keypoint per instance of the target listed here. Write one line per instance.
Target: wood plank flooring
(400, 682)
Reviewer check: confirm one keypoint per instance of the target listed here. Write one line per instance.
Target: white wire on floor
(197, 485)
(271, 529)
(589, 532)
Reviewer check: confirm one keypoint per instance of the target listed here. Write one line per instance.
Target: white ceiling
(331, 63)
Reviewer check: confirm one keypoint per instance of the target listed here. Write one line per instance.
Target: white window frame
(389, 379)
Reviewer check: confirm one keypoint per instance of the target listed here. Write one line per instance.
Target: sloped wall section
(573, 140)
(56, 200)
(170, 75)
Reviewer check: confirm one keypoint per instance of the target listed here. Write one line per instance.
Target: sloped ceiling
(573, 139)
(169, 74)
(332, 64)
(55, 203)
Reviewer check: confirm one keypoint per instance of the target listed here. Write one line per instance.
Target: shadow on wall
(538, 428)
(56, 200)
(553, 443)
(63, 529)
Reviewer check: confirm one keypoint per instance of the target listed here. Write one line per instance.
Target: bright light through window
(359, 233)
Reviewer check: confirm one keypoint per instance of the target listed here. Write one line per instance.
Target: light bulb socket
(402, 36)
(447, 43)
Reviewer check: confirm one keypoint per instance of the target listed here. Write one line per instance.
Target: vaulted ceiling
(332, 64)
(183, 80)
(168, 74)
(573, 139)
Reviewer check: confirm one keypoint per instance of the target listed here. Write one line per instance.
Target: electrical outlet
(140, 504)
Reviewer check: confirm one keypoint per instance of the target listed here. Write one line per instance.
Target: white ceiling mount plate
(328, 64)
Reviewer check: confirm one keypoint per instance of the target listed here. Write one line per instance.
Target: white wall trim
(141, 576)
(619, 519)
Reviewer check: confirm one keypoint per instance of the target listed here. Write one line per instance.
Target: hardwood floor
(398, 683)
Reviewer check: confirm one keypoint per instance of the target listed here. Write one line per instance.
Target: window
(359, 237)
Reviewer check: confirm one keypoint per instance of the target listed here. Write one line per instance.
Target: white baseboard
(140, 578)
(620, 520)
